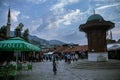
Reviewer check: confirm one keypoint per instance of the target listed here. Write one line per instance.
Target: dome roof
(95, 17)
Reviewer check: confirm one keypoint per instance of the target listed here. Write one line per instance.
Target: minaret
(8, 24)
(94, 11)
(111, 35)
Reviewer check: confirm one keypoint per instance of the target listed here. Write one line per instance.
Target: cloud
(97, 0)
(66, 19)
(6, 4)
(25, 17)
(34, 25)
(71, 17)
(59, 26)
(37, 1)
(63, 3)
(59, 7)
(14, 15)
(116, 32)
(108, 6)
(73, 37)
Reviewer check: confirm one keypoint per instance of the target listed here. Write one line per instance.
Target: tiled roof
(71, 48)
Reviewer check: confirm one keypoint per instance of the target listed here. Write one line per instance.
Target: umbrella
(17, 44)
(50, 53)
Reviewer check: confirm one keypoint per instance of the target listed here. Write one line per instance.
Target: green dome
(95, 17)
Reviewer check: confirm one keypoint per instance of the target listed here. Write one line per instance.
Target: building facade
(96, 28)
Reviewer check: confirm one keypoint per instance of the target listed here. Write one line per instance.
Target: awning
(17, 44)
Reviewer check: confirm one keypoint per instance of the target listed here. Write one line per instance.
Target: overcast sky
(59, 19)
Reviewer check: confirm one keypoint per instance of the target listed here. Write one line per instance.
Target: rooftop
(95, 17)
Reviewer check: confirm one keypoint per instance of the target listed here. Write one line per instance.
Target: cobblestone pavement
(80, 70)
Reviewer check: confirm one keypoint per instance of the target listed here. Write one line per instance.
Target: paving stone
(80, 70)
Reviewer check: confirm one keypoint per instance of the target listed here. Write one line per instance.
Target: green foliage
(110, 41)
(18, 30)
(3, 31)
(26, 34)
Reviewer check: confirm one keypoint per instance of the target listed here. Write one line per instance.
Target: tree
(3, 31)
(26, 34)
(18, 30)
(110, 41)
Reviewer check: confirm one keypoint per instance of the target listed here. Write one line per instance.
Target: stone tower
(8, 24)
(96, 28)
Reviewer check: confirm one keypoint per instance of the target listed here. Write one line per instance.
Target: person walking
(69, 58)
(54, 67)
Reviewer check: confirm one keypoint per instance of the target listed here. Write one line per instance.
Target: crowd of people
(68, 56)
(54, 57)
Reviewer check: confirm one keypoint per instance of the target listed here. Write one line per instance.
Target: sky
(59, 19)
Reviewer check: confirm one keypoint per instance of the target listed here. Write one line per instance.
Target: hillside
(42, 42)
